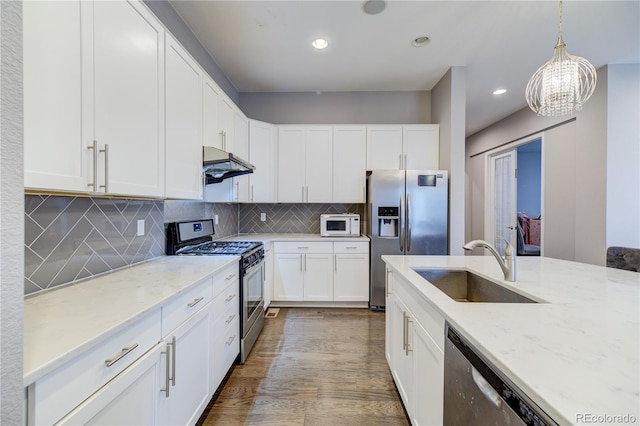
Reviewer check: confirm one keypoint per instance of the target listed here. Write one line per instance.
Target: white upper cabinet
(421, 147)
(94, 98)
(384, 147)
(241, 149)
(409, 147)
(128, 73)
(349, 164)
(183, 115)
(55, 156)
(262, 154)
(210, 128)
(305, 164)
(226, 123)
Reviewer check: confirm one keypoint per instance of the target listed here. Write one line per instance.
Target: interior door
(503, 186)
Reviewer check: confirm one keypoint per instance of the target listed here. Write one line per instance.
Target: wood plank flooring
(313, 366)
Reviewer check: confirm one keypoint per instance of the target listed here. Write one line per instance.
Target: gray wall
(448, 109)
(174, 23)
(338, 107)
(11, 216)
(574, 170)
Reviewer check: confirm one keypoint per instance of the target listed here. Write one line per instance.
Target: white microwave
(340, 225)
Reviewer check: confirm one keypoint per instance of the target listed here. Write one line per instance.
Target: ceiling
(265, 46)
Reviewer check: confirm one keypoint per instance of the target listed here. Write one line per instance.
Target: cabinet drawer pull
(231, 317)
(230, 298)
(167, 372)
(195, 301)
(106, 167)
(302, 247)
(110, 361)
(230, 340)
(351, 248)
(230, 276)
(408, 347)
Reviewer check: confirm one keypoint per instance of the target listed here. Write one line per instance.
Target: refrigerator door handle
(408, 221)
(401, 222)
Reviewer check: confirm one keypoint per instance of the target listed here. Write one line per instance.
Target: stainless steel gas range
(194, 238)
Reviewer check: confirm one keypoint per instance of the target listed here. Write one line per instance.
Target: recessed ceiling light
(420, 41)
(499, 91)
(373, 7)
(320, 43)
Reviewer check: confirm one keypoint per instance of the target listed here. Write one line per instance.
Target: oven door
(252, 299)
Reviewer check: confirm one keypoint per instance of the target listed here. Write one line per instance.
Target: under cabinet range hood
(219, 165)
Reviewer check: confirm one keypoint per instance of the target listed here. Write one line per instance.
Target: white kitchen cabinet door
(351, 277)
(349, 164)
(268, 274)
(226, 115)
(55, 149)
(210, 127)
(241, 135)
(318, 277)
(262, 154)
(318, 165)
(384, 148)
(183, 123)
(291, 165)
(128, 73)
(130, 398)
(421, 147)
(403, 358)
(428, 373)
(189, 390)
(288, 277)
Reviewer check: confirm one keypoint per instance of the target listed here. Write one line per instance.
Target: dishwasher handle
(486, 389)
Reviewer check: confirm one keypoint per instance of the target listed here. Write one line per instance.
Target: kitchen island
(575, 353)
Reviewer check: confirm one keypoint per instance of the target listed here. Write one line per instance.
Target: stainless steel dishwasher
(476, 393)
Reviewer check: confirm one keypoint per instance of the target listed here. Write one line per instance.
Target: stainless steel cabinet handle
(94, 184)
(408, 221)
(106, 167)
(230, 340)
(251, 192)
(486, 389)
(173, 361)
(307, 197)
(230, 298)
(195, 301)
(167, 372)
(351, 248)
(230, 276)
(303, 194)
(335, 263)
(400, 160)
(404, 330)
(303, 247)
(231, 317)
(110, 361)
(406, 349)
(405, 161)
(401, 222)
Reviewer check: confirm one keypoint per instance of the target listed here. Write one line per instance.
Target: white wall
(11, 213)
(575, 172)
(448, 99)
(623, 156)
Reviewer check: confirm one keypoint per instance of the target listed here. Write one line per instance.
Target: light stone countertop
(293, 237)
(62, 323)
(576, 355)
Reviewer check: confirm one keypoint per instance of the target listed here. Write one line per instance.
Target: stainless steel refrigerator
(406, 214)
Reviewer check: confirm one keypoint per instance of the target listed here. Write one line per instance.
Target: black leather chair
(623, 258)
(526, 249)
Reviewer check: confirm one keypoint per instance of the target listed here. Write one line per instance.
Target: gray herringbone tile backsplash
(181, 210)
(71, 238)
(289, 218)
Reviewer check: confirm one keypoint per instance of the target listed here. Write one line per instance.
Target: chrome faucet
(507, 263)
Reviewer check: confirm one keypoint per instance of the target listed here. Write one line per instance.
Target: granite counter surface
(577, 355)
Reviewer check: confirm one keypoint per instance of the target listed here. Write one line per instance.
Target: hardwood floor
(313, 366)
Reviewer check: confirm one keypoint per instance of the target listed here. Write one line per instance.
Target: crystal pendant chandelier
(563, 84)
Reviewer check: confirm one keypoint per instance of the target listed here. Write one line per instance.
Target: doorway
(514, 197)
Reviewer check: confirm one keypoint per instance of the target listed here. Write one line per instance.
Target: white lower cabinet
(225, 341)
(414, 350)
(351, 272)
(319, 271)
(186, 389)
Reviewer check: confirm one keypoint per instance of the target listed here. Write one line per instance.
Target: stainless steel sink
(465, 286)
